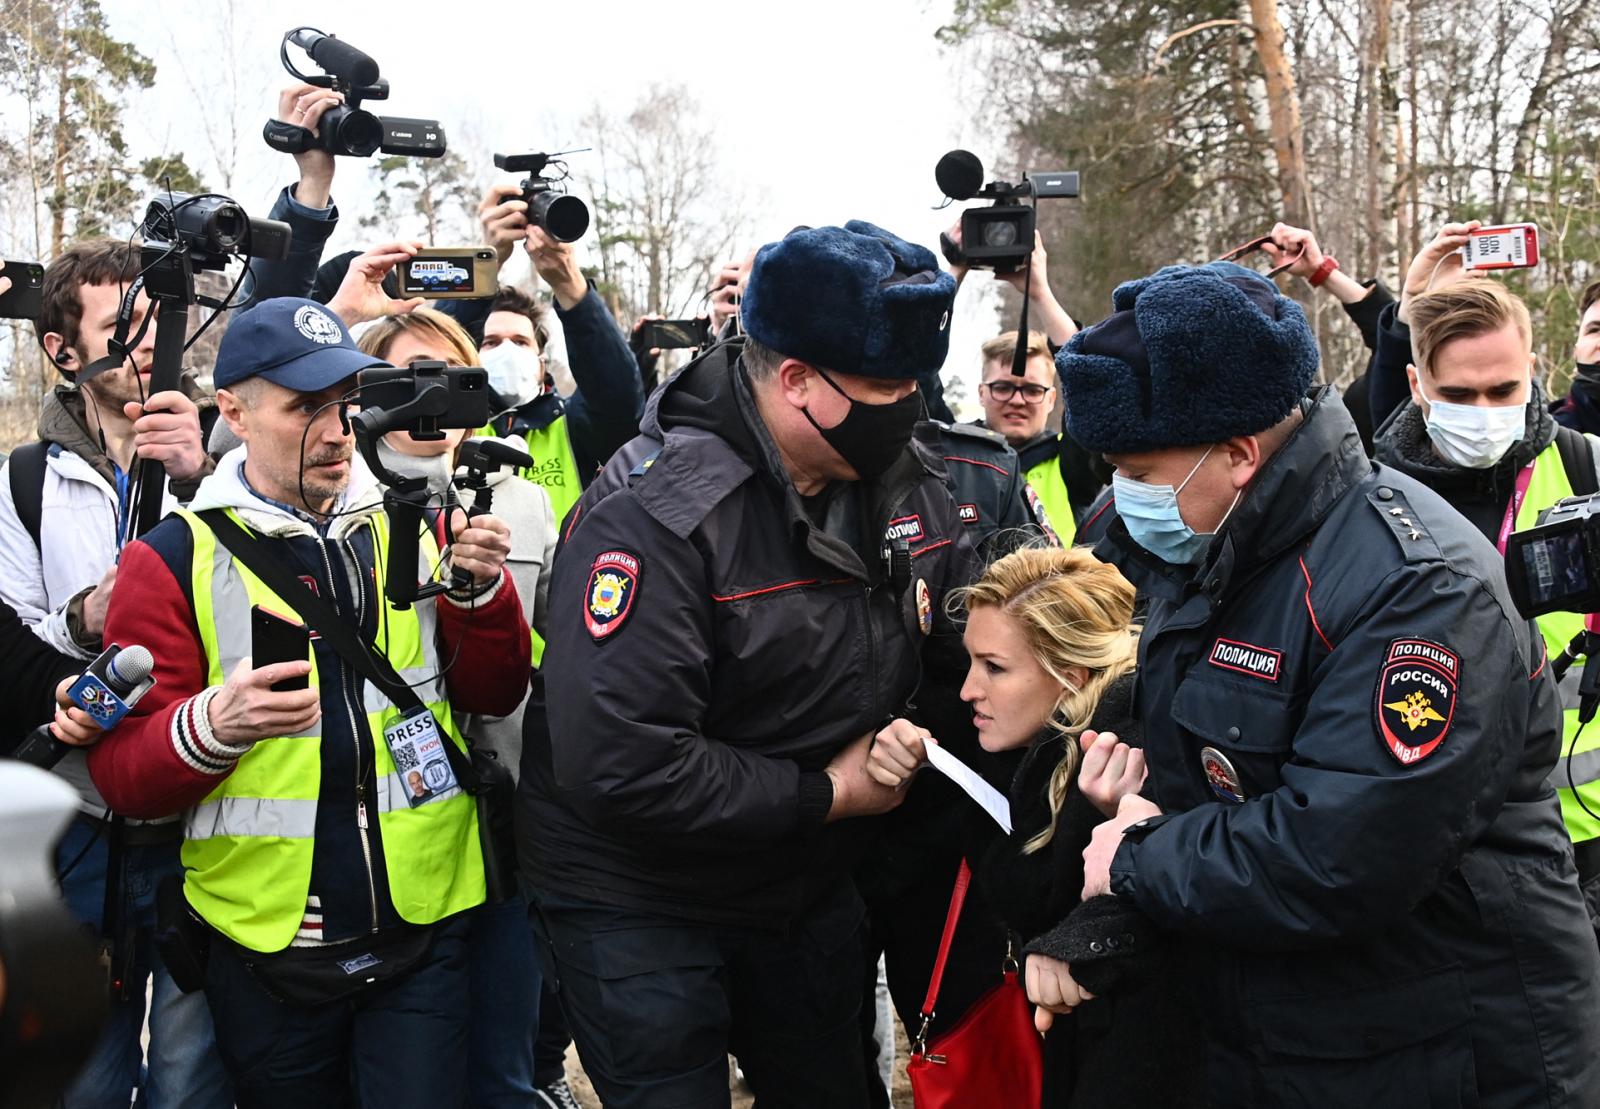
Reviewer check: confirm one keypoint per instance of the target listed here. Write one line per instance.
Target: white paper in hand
(990, 799)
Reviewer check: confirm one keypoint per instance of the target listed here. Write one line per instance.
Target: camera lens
(1000, 233)
(354, 133)
(566, 218)
(226, 229)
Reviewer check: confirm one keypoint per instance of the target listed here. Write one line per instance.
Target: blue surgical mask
(1154, 521)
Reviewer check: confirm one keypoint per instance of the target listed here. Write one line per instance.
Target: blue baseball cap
(293, 342)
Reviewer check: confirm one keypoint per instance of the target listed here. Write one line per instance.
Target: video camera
(424, 398)
(208, 230)
(563, 217)
(999, 237)
(347, 129)
(1554, 566)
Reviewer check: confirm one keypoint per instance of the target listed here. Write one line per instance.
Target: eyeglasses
(1003, 391)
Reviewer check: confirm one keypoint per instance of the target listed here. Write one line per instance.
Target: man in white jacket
(92, 431)
(65, 511)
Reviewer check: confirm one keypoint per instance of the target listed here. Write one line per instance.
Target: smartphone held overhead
(450, 273)
(1509, 247)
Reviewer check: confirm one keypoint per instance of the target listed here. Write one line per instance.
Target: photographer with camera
(570, 438)
(1062, 478)
(1477, 431)
(503, 967)
(306, 206)
(66, 509)
(322, 899)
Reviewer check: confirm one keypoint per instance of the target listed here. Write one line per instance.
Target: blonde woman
(1053, 650)
(503, 969)
(523, 505)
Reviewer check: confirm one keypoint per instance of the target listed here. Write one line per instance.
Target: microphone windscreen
(344, 60)
(959, 174)
(128, 668)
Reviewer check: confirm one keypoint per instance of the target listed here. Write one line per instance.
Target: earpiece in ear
(63, 358)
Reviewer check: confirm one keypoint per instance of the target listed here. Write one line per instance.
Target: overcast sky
(826, 110)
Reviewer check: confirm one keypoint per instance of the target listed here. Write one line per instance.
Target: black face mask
(871, 436)
(1587, 379)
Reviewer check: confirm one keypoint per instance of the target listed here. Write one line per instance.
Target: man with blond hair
(1060, 475)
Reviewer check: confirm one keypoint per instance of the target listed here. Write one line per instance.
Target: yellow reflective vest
(248, 846)
(1580, 765)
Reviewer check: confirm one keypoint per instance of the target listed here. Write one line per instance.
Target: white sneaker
(557, 1095)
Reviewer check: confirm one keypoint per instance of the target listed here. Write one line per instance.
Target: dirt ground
(901, 1094)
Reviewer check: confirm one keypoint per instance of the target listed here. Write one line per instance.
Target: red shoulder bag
(992, 1058)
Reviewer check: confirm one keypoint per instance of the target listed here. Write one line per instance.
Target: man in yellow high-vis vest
(329, 887)
(1061, 478)
(1477, 431)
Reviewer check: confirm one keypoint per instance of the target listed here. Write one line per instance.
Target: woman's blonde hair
(1074, 611)
(423, 323)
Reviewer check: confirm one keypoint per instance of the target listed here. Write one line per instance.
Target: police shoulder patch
(1415, 703)
(609, 595)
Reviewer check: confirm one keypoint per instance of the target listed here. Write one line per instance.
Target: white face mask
(516, 373)
(1474, 436)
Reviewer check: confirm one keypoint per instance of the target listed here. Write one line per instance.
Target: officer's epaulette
(1416, 543)
(644, 464)
(972, 431)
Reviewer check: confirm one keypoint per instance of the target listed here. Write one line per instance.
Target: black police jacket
(1349, 732)
(985, 478)
(712, 647)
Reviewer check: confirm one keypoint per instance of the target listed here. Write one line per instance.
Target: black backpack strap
(1578, 459)
(321, 617)
(27, 486)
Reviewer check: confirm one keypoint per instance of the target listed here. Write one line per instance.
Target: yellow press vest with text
(248, 846)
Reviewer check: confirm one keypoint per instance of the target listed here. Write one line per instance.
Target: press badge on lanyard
(419, 756)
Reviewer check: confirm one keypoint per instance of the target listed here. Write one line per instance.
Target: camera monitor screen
(1555, 567)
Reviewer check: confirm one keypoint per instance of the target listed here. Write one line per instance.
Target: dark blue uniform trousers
(656, 1005)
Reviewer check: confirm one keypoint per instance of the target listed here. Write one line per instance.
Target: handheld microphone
(336, 57)
(107, 689)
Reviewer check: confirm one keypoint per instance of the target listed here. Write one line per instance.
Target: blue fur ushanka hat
(1189, 355)
(855, 299)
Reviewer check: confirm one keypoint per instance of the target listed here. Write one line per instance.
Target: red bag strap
(958, 897)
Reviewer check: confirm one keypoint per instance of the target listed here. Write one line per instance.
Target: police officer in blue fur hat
(748, 593)
(1348, 729)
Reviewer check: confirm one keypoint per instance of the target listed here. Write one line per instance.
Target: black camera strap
(1577, 458)
(321, 617)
